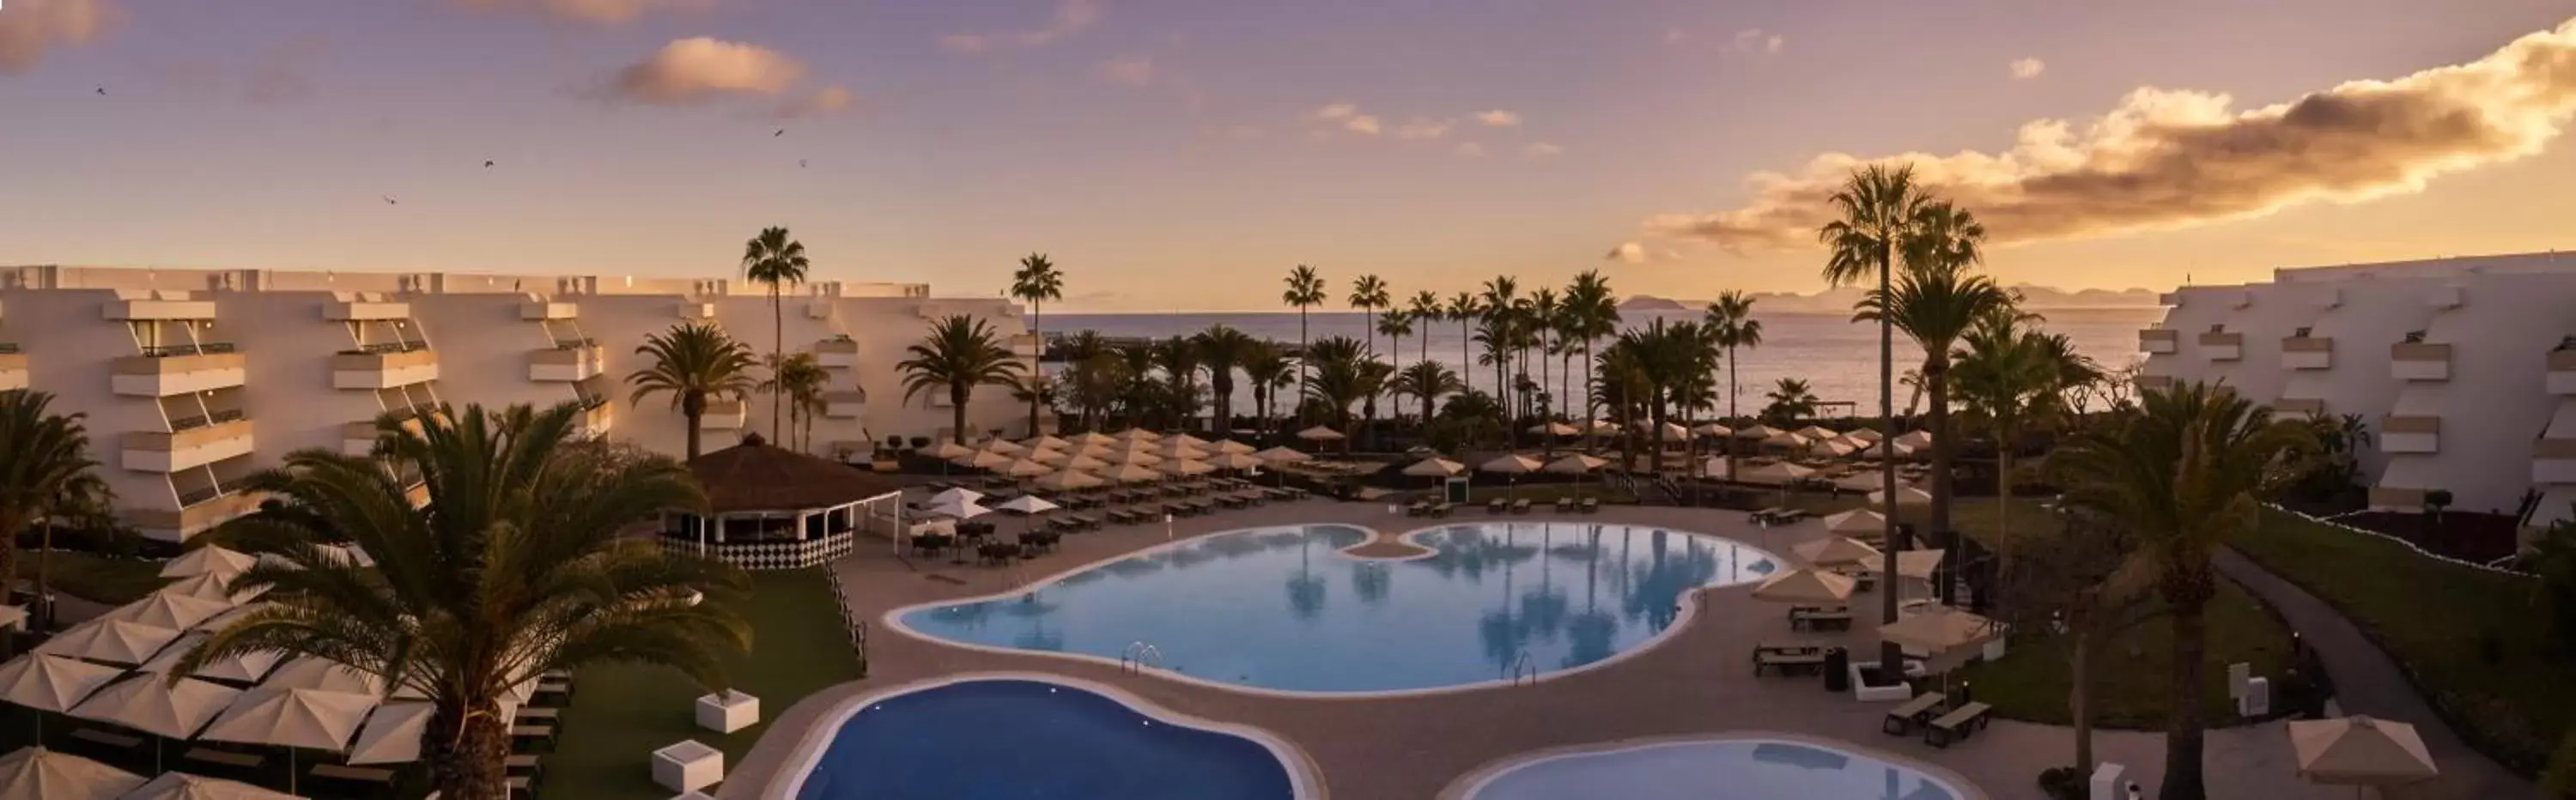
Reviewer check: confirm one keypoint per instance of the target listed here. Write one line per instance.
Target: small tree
(2067, 591)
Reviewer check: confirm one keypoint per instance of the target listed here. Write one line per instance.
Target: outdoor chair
(1902, 719)
(1521, 506)
(1565, 505)
(1957, 725)
(1591, 505)
(1497, 506)
(1442, 509)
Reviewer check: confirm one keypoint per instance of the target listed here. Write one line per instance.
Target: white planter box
(1895, 693)
(728, 711)
(688, 766)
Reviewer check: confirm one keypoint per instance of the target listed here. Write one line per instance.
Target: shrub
(2061, 783)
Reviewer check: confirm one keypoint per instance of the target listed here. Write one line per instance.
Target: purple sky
(1185, 153)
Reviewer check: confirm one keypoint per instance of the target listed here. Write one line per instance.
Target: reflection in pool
(1718, 769)
(1282, 609)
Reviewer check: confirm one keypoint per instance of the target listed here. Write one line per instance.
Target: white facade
(194, 379)
(2454, 364)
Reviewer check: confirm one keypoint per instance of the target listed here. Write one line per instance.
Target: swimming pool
(1027, 737)
(1283, 610)
(1749, 768)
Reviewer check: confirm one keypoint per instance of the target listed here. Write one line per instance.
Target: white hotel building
(2463, 369)
(194, 379)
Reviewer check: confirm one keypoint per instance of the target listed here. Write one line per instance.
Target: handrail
(386, 348)
(576, 344)
(1522, 666)
(176, 350)
(1137, 655)
(859, 644)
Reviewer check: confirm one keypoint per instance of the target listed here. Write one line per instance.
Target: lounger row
(1941, 724)
(1816, 618)
(1778, 515)
(1789, 657)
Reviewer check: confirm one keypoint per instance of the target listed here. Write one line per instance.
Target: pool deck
(1697, 680)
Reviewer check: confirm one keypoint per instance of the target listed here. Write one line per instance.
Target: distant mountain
(1839, 300)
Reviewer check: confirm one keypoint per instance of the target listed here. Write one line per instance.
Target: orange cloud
(691, 70)
(30, 28)
(2169, 159)
(1071, 17)
(595, 12)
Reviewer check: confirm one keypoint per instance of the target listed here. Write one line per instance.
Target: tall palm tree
(1879, 210)
(2004, 377)
(1426, 380)
(1223, 350)
(1730, 322)
(1462, 309)
(1543, 310)
(2185, 473)
(1426, 309)
(1037, 392)
(1037, 281)
(693, 363)
(1596, 314)
(1395, 324)
(1179, 359)
(960, 353)
(523, 567)
(44, 461)
(1305, 290)
(1935, 305)
(1789, 401)
(1270, 373)
(1342, 375)
(1368, 294)
(801, 379)
(776, 260)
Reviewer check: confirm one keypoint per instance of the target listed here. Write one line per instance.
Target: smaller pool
(1022, 738)
(1713, 769)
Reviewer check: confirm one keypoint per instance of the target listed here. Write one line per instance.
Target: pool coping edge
(1467, 785)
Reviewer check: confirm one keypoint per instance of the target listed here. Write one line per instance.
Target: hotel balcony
(1027, 345)
(2159, 341)
(2298, 407)
(384, 366)
(2390, 498)
(365, 310)
(2308, 352)
(13, 367)
(540, 311)
(2223, 346)
(724, 415)
(837, 353)
(2419, 361)
(359, 438)
(2562, 371)
(2154, 383)
(570, 361)
(160, 306)
(2410, 433)
(2553, 461)
(198, 512)
(845, 405)
(179, 369)
(701, 312)
(196, 443)
(598, 417)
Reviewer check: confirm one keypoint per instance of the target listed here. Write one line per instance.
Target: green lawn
(97, 578)
(2432, 617)
(623, 713)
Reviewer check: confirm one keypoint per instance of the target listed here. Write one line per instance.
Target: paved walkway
(2368, 682)
(1697, 681)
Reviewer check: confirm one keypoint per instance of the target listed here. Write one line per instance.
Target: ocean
(1837, 357)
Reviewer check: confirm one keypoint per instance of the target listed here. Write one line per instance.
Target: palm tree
(1426, 380)
(693, 363)
(1935, 305)
(775, 260)
(2004, 377)
(1037, 281)
(1395, 324)
(2185, 474)
(1035, 390)
(1790, 401)
(1426, 309)
(1094, 385)
(1270, 373)
(1596, 315)
(522, 568)
(960, 353)
(1179, 359)
(1223, 350)
(1543, 311)
(1462, 309)
(46, 464)
(1730, 322)
(1305, 290)
(801, 379)
(1368, 294)
(1879, 210)
(1342, 375)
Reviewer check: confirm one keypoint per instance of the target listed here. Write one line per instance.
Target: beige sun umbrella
(1023, 468)
(1819, 432)
(1785, 440)
(1805, 587)
(1510, 464)
(1672, 432)
(243, 668)
(51, 683)
(945, 450)
(1186, 467)
(1174, 451)
(213, 586)
(1281, 455)
(1836, 551)
(1138, 435)
(1865, 434)
(1081, 461)
(1905, 496)
(313, 719)
(1574, 464)
(1130, 473)
(1052, 458)
(1938, 630)
(391, 734)
(981, 459)
(1089, 438)
(1234, 461)
(1002, 446)
(1918, 440)
(1553, 428)
(110, 641)
(183, 786)
(1320, 433)
(1916, 564)
(1232, 446)
(1713, 429)
(1046, 443)
(146, 703)
(205, 559)
(1777, 473)
(175, 611)
(1068, 480)
(1861, 481)
(1186, 440)
(1756, 431)
(1857, 522)
(2361, 751)
(1135, 455)
(1830, 448)
(1435, 467)
(324, 675)
(35, 773)
(1600, 427)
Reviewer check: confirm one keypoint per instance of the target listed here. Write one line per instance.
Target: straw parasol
(1435, 467)
(2361, 751)
(213, 586)
(1857, 522)
(1130, 473)
(1905, 496)
(176, 611)
(1713, 429)
(1553, 428)
(183, 786)
(1777, 473)
(110, 641)
(1836, 551)
(207, 559)
(1805, 587)
(51, 683)
(243, 668)
(1068, 480)
(325, 675)
(1234, 461)
(1281, 455)
(1232, 446)
(1320, 433)
(1089, 438)
(35, 773)
(392, 734)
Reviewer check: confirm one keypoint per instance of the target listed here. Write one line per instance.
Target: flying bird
(390, 201)
(781, 132)
(487, 163)
(800, 163)
(102, 91)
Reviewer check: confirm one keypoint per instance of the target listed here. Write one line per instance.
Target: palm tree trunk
(1731, 418)
(1891, 658)
(957, 412)
(1036, 316)
(777, 351)
(2079, 695)
(2183, 780)
(9, 527)
(1301, 355)
(693, 409)
(468, 762)
(44, 600)
(1936, 378)
(1590, 412)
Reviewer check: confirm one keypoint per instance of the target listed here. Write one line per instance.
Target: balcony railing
(9, 349)
(2307, 352)
(181, 350)
(2419, 361)
(383, 348)
(2159, 341)
(383, 370)
(593, 403)
(176, 370)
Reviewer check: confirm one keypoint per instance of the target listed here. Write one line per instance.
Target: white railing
(1138, 656)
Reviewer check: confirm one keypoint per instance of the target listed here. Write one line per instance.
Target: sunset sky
(1183, 154)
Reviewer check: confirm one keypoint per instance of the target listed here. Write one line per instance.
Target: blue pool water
(1282, 609)
(1028, 740)
(1715, 770)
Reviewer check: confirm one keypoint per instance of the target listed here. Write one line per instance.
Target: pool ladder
(1522, 667)
(1139, 655)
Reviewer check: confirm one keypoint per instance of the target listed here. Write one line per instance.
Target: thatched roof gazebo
(773, 508)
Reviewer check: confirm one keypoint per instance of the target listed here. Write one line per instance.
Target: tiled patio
(1698, 680)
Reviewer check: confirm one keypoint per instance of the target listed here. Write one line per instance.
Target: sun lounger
(1820, 618)
(1417, 508)
(522, 786)
(1959, 724)
(534, 713)
(1902, 719)
(1785, 661)
(116, 740)
(343, 772)
(1591, 505)
(226, 758)
(1442, 509)
(534, 735)
(524, 764)
(1498, 506)
(1565, 505)
(1521, 506)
